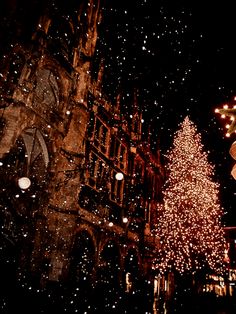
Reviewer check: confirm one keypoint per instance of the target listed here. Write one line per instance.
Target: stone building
(79, 184)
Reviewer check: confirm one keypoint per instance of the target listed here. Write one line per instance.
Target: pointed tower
(136, 120)
(88, 19)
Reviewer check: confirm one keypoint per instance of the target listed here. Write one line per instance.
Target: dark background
(178, 55)
(186, 67)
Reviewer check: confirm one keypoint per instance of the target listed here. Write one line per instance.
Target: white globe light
(125, 220)
(119, 176)
(24, 183)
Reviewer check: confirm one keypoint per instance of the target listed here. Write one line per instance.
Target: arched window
(46, 94)
(61, 38)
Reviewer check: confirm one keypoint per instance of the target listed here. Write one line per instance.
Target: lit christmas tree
(189, 226)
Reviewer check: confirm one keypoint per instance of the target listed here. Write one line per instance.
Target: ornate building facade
(79, 184)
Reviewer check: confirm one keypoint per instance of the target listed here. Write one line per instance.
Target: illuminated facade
(83, 209)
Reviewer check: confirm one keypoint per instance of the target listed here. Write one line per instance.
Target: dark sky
(179, 55)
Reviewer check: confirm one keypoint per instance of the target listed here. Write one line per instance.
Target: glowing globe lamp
(119, 176)
(125, 220)
(24, 183)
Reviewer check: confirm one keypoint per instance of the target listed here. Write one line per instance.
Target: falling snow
(177, 60)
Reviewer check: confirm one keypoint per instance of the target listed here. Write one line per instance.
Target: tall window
(139, 182)
(101, 136)
(138, 172)
(98, 171)
(119, 153)
(60, 38)
(117, 188)
(92, 169)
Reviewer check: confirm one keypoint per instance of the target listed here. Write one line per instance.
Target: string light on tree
(231, 114)
(189, 228)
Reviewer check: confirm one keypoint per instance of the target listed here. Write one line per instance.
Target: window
(98, 172)
(148, 212)
(122, 156)
(138, 172)
(101, 136)
(102, 171)
(92, 169)
(117, 188)
(151, 185)
(139, 187)
(118, 152)
(60, 38)
(46, 96)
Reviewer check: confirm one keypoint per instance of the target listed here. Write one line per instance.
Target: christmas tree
(189, 225)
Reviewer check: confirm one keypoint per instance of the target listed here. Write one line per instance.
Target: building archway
(131, 270)
(28, 160)
(81, 272)
(82, 260)
(108, 288)
(109, 263)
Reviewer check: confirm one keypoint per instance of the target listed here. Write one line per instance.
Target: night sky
(180, 57)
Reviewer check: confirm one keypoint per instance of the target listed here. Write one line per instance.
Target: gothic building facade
(79, 184)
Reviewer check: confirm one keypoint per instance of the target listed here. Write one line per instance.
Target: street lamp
(125, 220)
(119, 176)
(24, 183)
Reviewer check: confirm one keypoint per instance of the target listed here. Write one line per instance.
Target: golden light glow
(230, 113)
(119, 176)
(189, 228)
(24, 183)
(125, 220)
